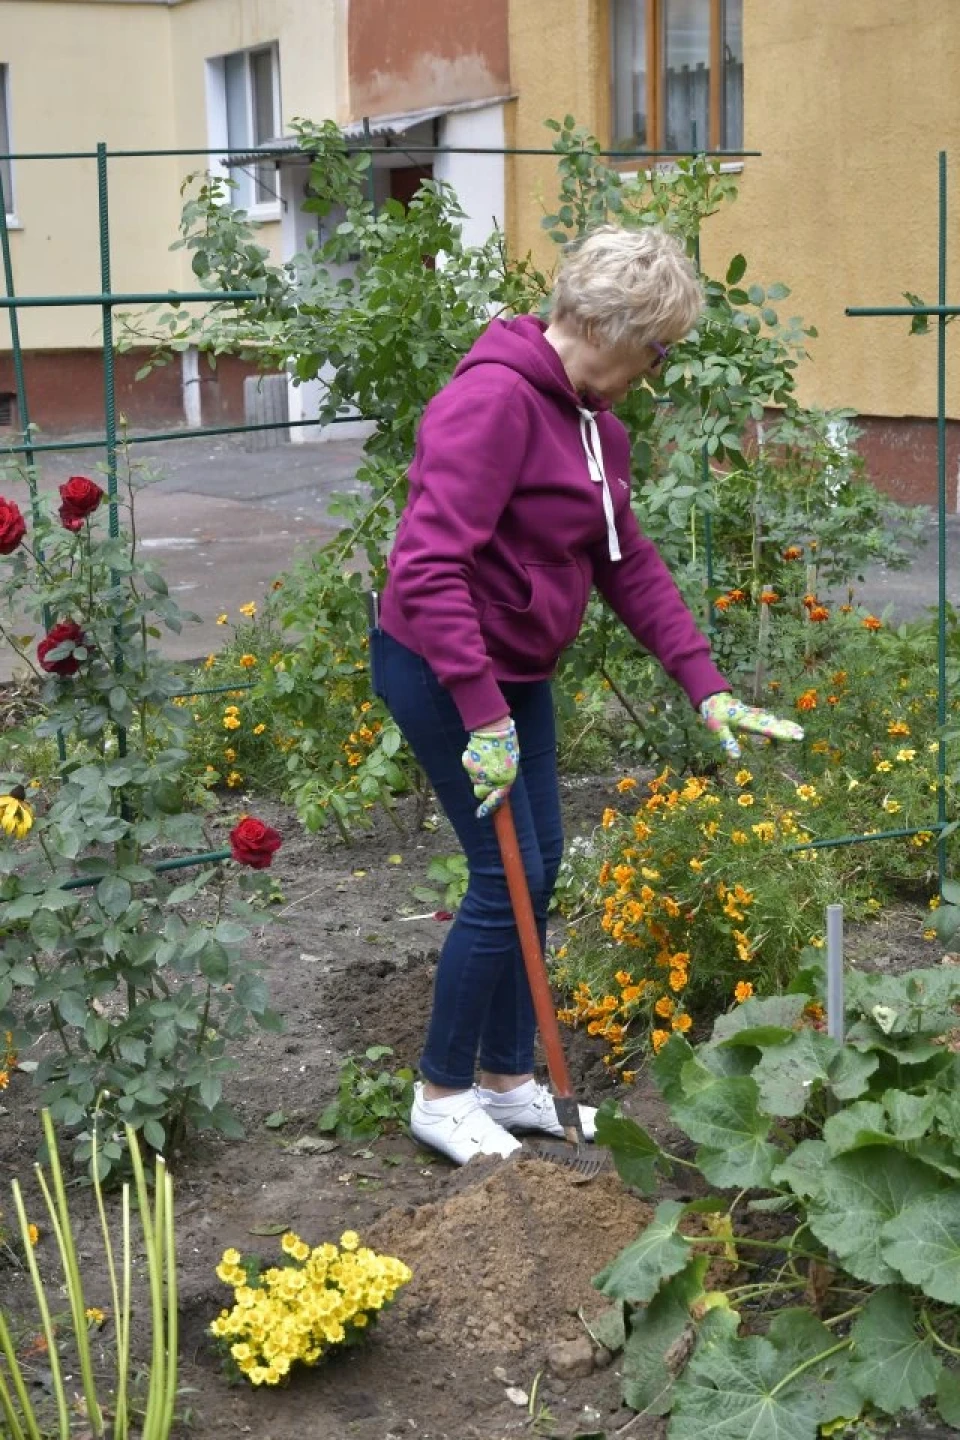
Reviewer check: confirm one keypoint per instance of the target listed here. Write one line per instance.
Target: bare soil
(502, 1252)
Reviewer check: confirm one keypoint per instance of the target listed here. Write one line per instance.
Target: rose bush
(140, 995)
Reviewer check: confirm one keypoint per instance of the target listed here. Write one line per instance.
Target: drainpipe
(190, 384)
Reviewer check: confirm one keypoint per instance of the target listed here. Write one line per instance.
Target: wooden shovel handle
(532, 950)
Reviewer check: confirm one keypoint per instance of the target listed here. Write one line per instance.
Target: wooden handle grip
(532, 950)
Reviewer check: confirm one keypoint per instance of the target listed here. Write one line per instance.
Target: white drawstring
(590, 436)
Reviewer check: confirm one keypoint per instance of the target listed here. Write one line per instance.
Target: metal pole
(942, 519)
(109, 391)
(704, 457)
(835, 972)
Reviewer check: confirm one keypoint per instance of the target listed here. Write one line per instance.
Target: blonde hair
(627, 287)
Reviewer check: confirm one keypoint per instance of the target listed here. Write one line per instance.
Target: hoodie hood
(520, 345)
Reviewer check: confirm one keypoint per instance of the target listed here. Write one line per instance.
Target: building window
(6, 170)
(678, 74)
(243, 103)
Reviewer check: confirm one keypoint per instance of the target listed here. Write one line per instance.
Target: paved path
(222, 522)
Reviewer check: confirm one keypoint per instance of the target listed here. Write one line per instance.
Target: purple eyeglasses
(663, 355)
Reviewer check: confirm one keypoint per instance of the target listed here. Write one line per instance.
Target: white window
(6, 169)
(243, 112)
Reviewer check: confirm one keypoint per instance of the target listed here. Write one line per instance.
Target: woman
(519, 503)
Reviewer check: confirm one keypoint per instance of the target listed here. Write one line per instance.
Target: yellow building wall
(80, 73)
(133, 75)
(849, 103)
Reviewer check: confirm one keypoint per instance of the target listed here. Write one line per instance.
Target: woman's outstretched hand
(491, 760)
(723, 714)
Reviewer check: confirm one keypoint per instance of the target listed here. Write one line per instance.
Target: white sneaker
(530, 1107)
(458, 1126)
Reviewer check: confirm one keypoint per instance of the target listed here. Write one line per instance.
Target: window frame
(263, 210)
(656, 28)
(6, 129)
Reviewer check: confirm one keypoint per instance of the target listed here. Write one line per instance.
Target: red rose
(79, 498)
(254, 843)
(66, 630)
(12, 526)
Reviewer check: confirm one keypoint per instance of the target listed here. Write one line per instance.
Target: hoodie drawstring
(590, 438)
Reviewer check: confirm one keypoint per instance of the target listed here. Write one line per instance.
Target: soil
(502, 1251)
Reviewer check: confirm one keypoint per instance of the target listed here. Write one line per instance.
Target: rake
(575, 1153)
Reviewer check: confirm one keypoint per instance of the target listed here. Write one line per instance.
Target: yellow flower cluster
(319, 1298)
(8, 1059)
(16, 817)
(363, 735)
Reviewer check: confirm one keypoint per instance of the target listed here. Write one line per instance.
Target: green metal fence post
(942, 518)
(109, 388)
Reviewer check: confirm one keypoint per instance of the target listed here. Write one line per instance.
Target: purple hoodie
(519, 502)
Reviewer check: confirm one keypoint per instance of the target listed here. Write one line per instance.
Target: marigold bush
(693, 902)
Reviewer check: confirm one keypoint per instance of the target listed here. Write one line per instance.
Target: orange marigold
(793, 552)
(743, 991)
(807, 701)
(627, 783)
(658, 1039)
(819, 613)
(870, 622)
(769, 597)
(665, 1007)
(681, 1022)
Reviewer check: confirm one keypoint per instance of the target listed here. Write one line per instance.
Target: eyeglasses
(663, 355)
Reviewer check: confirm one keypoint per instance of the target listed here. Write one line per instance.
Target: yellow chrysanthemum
(16, 817)
(249, 610)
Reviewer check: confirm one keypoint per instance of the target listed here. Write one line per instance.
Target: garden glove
(491, 760)
(723, 714)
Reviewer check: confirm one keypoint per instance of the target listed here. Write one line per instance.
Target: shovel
(582, 1158)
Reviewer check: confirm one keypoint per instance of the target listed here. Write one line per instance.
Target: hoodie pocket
(550, 619)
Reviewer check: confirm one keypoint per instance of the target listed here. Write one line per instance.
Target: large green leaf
(634, 1153)
(802, 1170)
(864, 1123)
(923, 1243)
(638, 1271)
(860, 1192)
(667, 1066)
(725, 1120)
(893, 1366)
(948, 1397)
(910, 1115)
(850, 1072)
(647, 1379)
(787, 1073)
(749, 1389)
(768, 1021)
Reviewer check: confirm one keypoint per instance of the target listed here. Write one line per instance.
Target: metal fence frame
(107, 299)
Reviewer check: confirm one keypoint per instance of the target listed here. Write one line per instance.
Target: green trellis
(108, 299)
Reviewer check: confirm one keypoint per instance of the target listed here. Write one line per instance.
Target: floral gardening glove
(491, 759)
(723, 714)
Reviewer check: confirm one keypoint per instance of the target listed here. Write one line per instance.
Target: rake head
(585, 1161)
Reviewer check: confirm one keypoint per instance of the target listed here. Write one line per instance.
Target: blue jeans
(481, 1003)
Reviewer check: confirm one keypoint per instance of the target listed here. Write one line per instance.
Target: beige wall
(134, 76)
(849, 103)
(80, 73)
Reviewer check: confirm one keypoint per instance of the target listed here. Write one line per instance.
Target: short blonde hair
(627, 287)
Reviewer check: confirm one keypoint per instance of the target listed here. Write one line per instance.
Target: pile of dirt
(505, 1262)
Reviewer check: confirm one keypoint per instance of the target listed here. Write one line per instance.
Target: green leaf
(893, 1366)
(736, 269)
(668, 1065)
(761, 1022)
(647, 1380)
(787, 1074)
(735, 1389)
(609, 1329)
(637, 1272)
(635, 1154)
(864, 1123)
(860, 1193)
(72, 1007)
(154, 1134)
(849, 1072)
(726, 1121)
(211, 1088)
(114, 895)
(910, 1115)
(948, 1397)
(923, 1243)
(214, 964)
